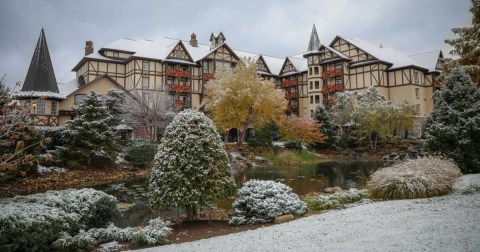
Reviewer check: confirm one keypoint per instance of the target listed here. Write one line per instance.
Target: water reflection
(303, 180)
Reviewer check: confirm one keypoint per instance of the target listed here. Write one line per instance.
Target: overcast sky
(276, 28)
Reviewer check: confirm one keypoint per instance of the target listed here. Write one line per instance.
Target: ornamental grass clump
(261, 201)
(418, 178)
(320, 202)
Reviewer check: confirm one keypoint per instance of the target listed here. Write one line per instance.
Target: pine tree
(453, 127)
(191, 167)
(467, 46)
(89, 138)
(326, 126)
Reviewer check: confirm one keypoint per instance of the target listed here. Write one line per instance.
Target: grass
(288, 158)
(320, 202)
(418, 178)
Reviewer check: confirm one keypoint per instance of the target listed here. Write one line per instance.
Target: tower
(314, 43)
(40, 89)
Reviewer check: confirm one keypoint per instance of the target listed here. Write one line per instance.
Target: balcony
(179, 72)
(289, 83)
(332, 73)
(183, 104)
(208, 76)
(290, 96)
(179, 88)
(293, 107)
(332, 88)
(44, 120)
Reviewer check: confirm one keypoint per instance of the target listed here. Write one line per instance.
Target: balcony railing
(289, 83)
(179, 72)
(332, 73)
(44, 120)
(179, 88)
(208, 76)
(290, 96)
(183, 103)
(332, 88)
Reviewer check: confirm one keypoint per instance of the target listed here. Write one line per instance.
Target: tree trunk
(240, 136)
(191, 213)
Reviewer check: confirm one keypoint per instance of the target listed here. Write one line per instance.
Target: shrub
(33, 222)
(263, 137)
(140, 152)
(261, 201)
(419, 178)
(292, 145)
(154, 233)
(319, 202)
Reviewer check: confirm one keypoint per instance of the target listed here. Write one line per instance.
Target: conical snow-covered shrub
(260, 201)
(191, 167)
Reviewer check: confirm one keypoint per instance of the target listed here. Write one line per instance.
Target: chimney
(193, 40)
(88, 47)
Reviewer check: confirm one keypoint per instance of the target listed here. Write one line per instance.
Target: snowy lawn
(447, 223)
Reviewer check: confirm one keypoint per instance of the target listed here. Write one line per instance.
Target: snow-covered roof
(427, 60)
(38, 94)
(158, 49)
(300, 64)
(128, 45)
(336, 52)
(274, 64)
(385, 53)
(68, 87)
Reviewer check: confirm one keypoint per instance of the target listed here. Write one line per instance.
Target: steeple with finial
(40, 75)
(314, 43)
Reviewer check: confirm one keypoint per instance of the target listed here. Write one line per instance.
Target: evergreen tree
(326, 126)
(191, 167)
(453, 127)
(466, 45)
(113, 102)
(89, 138)
(263, 137)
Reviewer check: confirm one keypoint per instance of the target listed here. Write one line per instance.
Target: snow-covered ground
(447, 223)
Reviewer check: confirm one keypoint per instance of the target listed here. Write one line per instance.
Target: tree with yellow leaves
(240, 99)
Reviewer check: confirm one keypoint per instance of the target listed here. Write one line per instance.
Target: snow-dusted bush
(140, 152)
(319, 202)
(261, 201)
(418, 178)
(33, 222)
(191, 167)
(154, 233)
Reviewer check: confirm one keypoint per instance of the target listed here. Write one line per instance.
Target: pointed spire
(314, 43)
(40, 75)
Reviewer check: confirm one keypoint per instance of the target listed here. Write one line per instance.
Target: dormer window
(178, 54)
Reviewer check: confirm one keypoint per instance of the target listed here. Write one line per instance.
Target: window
(183, 81)
(311, 112)
(311, 84)
(415, 77)
(54, 108)
(310, 71)
(417, 107)
(205, 67)
(146, 66)
(40, 107)
(178, 54)
(317, 84)
(220, 64)
(317, 99)
(169, 81)
(417, 92)
(311, 99)
(338, 66)
(79, 98)
(115, 54)
(145, 96)
(315, 70)
(145, 83)
(338, 80)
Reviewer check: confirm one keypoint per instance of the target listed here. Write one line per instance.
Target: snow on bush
(261, 201)
(191, 167)
(154, 233)
(33, 222)
(319, 202)
(418, 178)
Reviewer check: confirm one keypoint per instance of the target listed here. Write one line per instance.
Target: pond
(302, 180)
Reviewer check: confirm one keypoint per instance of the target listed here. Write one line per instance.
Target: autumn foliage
(302, 130)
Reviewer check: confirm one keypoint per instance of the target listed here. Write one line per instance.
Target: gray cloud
(277, 28)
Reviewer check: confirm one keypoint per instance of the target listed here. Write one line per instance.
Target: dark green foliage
(140, 152)
(292, 145)
(263, 137)
(326, 127)
(34, 222)
(453, 127)
(89, 138)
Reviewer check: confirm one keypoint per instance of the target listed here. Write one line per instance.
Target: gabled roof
(387, 54)
(300, 64)
(274, 64)
(428, 60)
(40, 76)
(335, 51)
